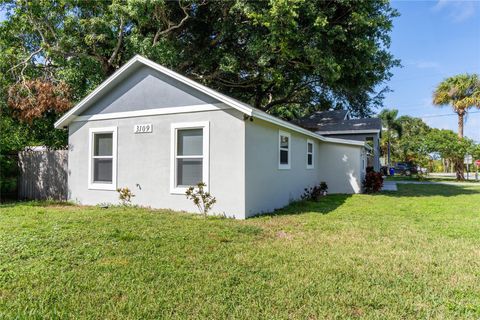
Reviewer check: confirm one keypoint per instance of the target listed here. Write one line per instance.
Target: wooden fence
(42, 174)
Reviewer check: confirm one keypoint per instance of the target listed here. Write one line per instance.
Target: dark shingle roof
(336, 120)
(350, 125)
(322, 116)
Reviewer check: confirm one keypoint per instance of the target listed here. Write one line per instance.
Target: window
(284, 150)
(103, 162)
(189, 164)
(310, 151)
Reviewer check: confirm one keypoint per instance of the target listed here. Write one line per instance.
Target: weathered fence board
(43, 175)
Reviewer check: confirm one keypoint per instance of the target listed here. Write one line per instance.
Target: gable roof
(137, 60)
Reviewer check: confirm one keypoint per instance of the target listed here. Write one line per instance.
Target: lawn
(411, 254)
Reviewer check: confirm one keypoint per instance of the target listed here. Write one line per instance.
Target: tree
(284, 57)
(461, 92)
(392, 128)
(410, 147)
(447, 144)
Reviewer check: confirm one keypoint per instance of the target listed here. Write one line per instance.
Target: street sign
(468, 159)
(477, 163)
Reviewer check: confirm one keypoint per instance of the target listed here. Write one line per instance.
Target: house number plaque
(143, 128)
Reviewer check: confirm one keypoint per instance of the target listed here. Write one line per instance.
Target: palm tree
(462, 92)
(392, 127)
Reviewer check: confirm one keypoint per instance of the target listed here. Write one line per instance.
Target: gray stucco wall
(146, 88)
(363, 137)
(269, 187)
(144, 162)
(341, 167)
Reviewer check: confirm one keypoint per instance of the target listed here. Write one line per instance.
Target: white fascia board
(68, 117)
(349, 131)
(214, 94)
(152, 112)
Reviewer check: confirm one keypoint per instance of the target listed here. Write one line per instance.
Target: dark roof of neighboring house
(322, 116)
(350, 125)
(337, 121)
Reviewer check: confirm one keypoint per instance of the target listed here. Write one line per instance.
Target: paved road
(392, 185)
(471, 175)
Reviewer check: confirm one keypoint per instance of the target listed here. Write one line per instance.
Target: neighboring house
(338, 124)
(157, 132)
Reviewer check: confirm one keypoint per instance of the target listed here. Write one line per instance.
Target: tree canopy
(461, 92)
(287, 57)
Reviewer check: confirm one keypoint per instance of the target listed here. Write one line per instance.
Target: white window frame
(205, 125)
(91, 144)
(280, 135)
(311, 166)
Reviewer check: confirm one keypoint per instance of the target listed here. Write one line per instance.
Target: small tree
(125, 195)
(449, 147)
(204, 201)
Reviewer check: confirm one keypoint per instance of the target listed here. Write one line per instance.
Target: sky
(433, 39)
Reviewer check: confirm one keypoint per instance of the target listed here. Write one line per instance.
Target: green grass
(412, 254)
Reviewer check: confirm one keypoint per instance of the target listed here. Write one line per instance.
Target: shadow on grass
(429, 190)
(325, 205)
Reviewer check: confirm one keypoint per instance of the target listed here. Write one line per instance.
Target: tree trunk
(459, 167)
(388, 153)
(461, 114)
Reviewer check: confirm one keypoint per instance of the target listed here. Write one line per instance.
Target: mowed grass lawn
(412, 254)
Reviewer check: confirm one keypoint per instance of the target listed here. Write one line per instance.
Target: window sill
(284, 168)
(182, 190)
(101, 186)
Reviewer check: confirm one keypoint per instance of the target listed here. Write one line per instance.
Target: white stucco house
(157, 132)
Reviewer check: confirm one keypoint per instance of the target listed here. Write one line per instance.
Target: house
(338, 124)
(157, 132)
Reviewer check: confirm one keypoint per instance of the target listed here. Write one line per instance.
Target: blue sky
(434, 39)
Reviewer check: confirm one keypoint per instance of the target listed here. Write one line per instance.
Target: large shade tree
(285, 57)
(461, 92)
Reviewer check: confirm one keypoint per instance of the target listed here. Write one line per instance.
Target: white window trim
(284, 134)
(312, 166)
(205, 125)
(102, 186)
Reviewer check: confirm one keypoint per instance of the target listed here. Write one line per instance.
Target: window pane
(310, 147)
(190, 142)
(283, 157)
(102, 170)
(284, 142)
(310, 159)
(103, 144)
(189, 172)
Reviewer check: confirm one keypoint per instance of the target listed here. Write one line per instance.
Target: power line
(444, 115)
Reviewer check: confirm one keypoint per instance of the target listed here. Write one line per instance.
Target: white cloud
(458, 11)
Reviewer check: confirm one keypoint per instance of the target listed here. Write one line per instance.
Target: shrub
(125, 195)
(316, 192)
(373, 182)
(204, 201)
